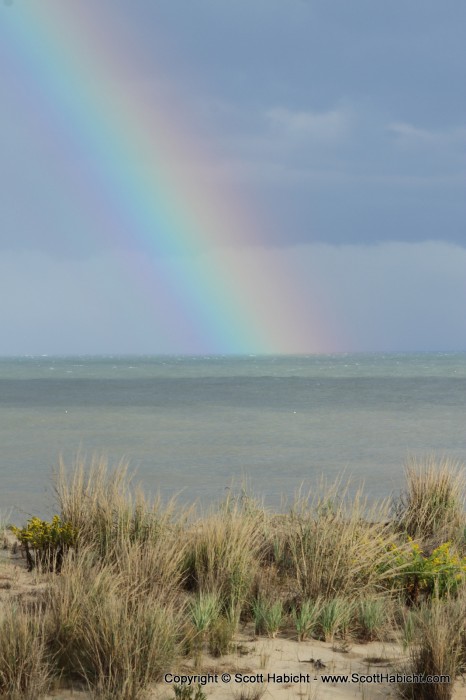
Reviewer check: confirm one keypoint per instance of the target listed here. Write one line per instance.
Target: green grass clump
(268, 616)
(335, 618)
(189, 692)
(372, 617)
(204, 610)
(306, 616)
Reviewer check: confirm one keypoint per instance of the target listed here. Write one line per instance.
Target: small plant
(274, 619)
(268, 617)
(305, 617)
(220, 635)
(204, 611)
(258, 611)
(335, 618)
(250, 692)
(372, 615)
(188, 692)
(45, 543)
(408, 628)
(264, 658)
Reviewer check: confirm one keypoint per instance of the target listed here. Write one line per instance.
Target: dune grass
(223, 553)
(148, 583)
(107, 628)
(373, 614)
(306, 616)
(431, 507)
(436, 647)
(25, 659)
(107, 510)
(337, 544)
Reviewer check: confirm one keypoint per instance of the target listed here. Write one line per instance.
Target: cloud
(327, 126)
(408, 135)
(397, 296)
(344, 174)
(389, 297)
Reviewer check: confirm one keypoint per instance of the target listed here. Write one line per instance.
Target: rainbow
(147, 191)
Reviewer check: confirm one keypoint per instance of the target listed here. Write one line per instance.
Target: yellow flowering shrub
(444, 569)
(441, 572)
(45, 542)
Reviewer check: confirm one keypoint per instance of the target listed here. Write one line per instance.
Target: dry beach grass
(149, 588)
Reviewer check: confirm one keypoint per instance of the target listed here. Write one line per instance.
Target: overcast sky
(340, 126)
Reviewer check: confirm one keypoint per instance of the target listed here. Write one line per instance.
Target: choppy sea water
(194, 426)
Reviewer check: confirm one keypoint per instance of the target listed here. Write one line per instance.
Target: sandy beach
(279, 669)
(121, 597)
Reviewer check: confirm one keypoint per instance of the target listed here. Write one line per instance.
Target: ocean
(200, 426)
